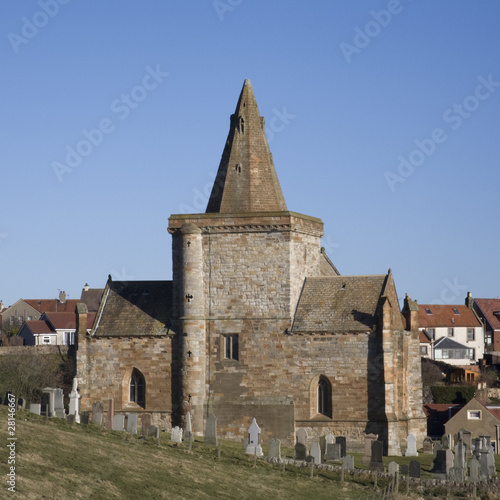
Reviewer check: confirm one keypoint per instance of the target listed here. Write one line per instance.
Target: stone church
(256, 323)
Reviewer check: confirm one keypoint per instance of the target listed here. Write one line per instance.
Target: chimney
(469, 301)
(86, 287)
(81, 319)
(62, 297)
(410, 311)
(2, 307)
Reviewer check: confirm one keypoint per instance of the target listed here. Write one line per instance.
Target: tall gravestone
(376, 462)
(300, 446)
(211, 430)
(459, 461)
(145, 424)
(369, 438)
(474, 469)
(343, 445)
(74, 401)
(97, 411)
(316, 452)
(254, 448)
(132, 423)
(325, 441)
(188, 434)
(59, 404)
(411, 446)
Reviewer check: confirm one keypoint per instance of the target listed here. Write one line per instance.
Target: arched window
(137, 388)
(324, 397)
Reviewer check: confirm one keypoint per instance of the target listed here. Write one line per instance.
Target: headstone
(176, 435)
(118, 422)
(97, 411)
(301, 436)
(300, 451)
(348, 462)
(35, 408)
(84, 417)
(393, 469)
(456, 474)
(343, 445)
(145, 424)
(369, 438)
(254, 447)
(484, 471)
(439, 465)
(154, 431)
(467, 439)
(325, 441)
(188, 434)
(111, 413)
(491, 461)
(428, 445)
(316, 453)
(485, 441)
(211, 430)
(404, 469)
(332, 451)
(411, 446)
(59, 404)
(274, 448)
(132, 423)
(477, 448)
(336, 451)
(449, 460)
(474, 470)
(245, 443)
(74, 403)
(376, 462)
(414, 469)
(459, 462)
(48, 402)
(445, 442)
(329, 439)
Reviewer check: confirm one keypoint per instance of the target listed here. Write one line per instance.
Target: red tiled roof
(439, 407)
(67, 320)
(52, 305)
(443, 315)
(488, 307)
(423, 338)
(39, 327)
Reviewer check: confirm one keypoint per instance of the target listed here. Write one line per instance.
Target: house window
(455, 310)
(450, 332)
(30, 318)
(69, 338)
(324, 397)
(231, 347)
(470, 334)
(428, 311)
(423, 350)
(21, 319)
(46, 340)
(470, 353)
(445, 354)
(137, 388)
(474, 415)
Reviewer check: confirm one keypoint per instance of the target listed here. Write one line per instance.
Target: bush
(450, 394)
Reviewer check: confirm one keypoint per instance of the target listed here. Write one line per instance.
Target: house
(15, 315)
(256, 323)
(479, 418)
(453, 333)
(489, 312)
(437, 415)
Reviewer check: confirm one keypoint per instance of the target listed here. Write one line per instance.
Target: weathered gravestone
(97, 411)
(325, 441)
(343, 445)
(211, 430)
(132, 423)
(411, 446)
(449, 460)
(428, 445)
(145, 424)
(474, 470)
(393, 469)
(404, 469)
(300, 451)
(456, 474)
(301, 436)
(477, 448)
(484, 471)
(188, 434)
(369, 438)
(459, 462)
(414, 469)
(333, 451)
(491, 461)
(439, 464)
(111, 413)
(118, 422)
(154, 431)
(176, 435)
(348, 462)
(316, 452)
(74, 403)
(376, 462)
(467, 439)
(274, 448)
(445, 441)
(58, 403)
(35, 408)
(254, 447)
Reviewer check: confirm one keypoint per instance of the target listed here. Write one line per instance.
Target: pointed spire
(246, 180)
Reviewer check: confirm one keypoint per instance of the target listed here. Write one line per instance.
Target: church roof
(339, 304)
(246, 180)
(134, 308)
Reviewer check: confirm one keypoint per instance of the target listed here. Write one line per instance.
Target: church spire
(246, 180)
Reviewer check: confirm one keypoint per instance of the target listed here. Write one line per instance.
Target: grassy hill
(56, 460)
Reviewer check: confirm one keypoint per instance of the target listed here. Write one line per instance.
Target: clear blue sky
(354, 88)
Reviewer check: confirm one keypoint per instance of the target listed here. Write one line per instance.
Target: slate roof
(339, 304)
(444, 316)
(447, 343)
(92, 298)
(326, 266)
(134, 308)
(488, 307)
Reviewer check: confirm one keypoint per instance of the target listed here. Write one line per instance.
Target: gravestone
(301, 436)
(176, 435)
(300, 451)
(97, 411)
(118, 422)
(316, 452)
(254, 447)
(58, 403)
(74, 403)
(411, 446)
(477, 447)
(336, 451)
(188, 433)
(456, 474)
(154, 431)
(491, 461)
(449, 458)
(274, 448)
(484, 471)
(111, 413)
(486, 441)
(459, 462)
(329, 439)
(467, 439)
(474, 467)
(145, 424)
(343, 445)
(132, 423)
(348, 462)
(84, 417)
(445, 441)
(245, 443)
(414, 469)
(439, 465)
(404, 469)
(428, 445)
(376, 462)
(211, 430)
(325, 441)
(332, 451)
(393, 469)
(369, 438)
(35, 408)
